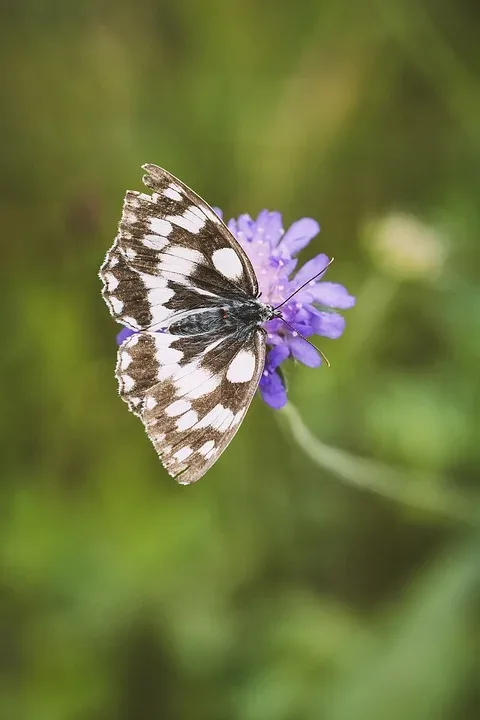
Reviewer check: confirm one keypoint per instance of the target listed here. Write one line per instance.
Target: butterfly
(178, 277)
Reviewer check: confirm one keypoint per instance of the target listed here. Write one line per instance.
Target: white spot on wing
(128, 320)
(111, 281)
(116, 304)
(228, 263)
(205, 388)
(189, 221)
(125, 360)
(210, 214)
(198, 212)
(170, 370)
(159, 295)
(213, 345)
(207, 447)
(187, 420)
(165, 356)
(224, 421)
(239, 416)
(242, 367)
(160, 226)
(163, 340)
(173, 194)
(218, 418)
(155, 242)
(183, 453)
(186, 253)
(175, 264)
(194, 382)
(178, 408)
(128, 382)
(159, 313)
(150, 402)
(152, 281)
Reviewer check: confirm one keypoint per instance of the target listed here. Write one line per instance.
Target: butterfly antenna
(301, 288)
(297, 334)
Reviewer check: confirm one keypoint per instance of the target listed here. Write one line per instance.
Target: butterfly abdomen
(203, 321)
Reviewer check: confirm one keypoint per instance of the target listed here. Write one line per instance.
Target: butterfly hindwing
(191, 393)
(172, 253)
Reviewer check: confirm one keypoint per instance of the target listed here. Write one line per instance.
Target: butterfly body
(180, 281)
(233, 317)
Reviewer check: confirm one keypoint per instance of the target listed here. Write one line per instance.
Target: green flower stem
(422, 492)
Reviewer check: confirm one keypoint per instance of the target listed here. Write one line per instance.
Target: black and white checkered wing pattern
(172, 253)
(190, 392)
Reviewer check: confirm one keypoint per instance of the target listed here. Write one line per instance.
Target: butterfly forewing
(191, 397)
(172, 253)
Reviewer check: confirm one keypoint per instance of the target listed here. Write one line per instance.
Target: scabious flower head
(311, 311)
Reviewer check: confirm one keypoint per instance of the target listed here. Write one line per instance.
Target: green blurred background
(280, 587)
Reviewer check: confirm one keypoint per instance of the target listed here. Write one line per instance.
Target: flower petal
(124, 334)
(300, 319)
(328, 324)
(269, 227)
(273, 327)
(304, 352)
(273, 390)
(304, 328)
(332, 295)
(288, 266)
(298, 236)
(276, 356)
(310, 269)
(232, 226)
(245, 227)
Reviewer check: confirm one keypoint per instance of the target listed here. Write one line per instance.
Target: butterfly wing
(191, 393)
(172, 253)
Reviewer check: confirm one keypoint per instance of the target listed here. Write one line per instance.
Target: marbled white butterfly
(177, 277)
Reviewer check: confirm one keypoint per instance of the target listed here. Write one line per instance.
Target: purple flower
(124, 334)
(311, 311)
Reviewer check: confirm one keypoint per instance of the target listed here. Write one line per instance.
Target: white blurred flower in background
(405, 247)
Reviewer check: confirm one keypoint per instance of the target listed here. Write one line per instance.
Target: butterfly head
(267, 312)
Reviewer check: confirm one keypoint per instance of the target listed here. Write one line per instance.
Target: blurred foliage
(270, 590)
